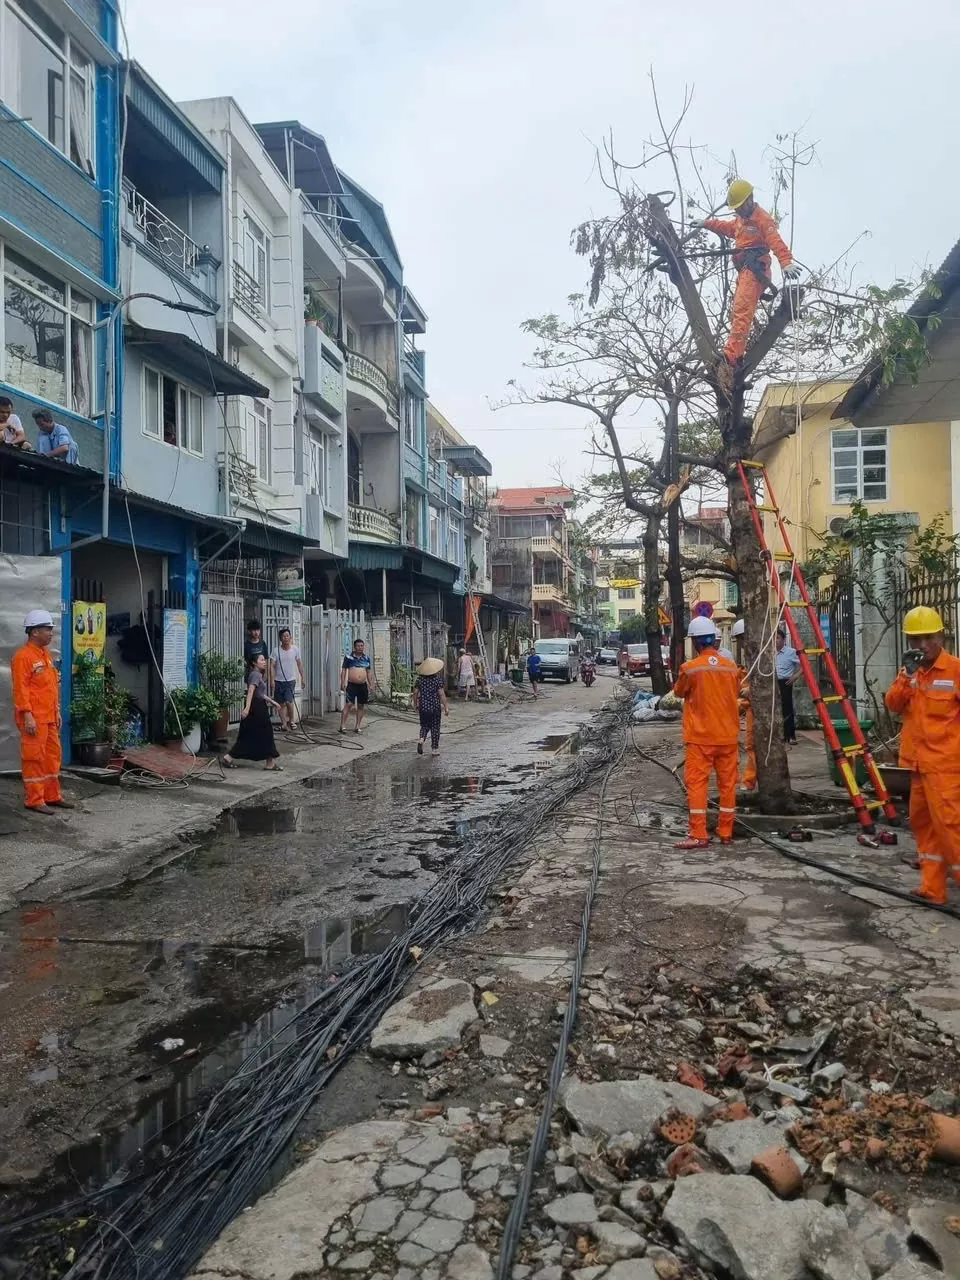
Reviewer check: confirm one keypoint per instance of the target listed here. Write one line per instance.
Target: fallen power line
(155, 1225)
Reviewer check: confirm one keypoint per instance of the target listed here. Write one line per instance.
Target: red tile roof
(710, 513)
(535, 498)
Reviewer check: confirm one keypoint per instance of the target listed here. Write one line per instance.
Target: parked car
(638, 656)
(607, 658)
(558, 658)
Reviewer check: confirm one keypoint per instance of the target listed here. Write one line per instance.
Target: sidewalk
(123, 832)
(703, 966)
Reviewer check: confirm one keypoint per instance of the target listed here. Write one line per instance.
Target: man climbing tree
(754, 234)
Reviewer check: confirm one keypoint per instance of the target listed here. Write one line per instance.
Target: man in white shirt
(11, 428)
(285, 665)
(788, 668)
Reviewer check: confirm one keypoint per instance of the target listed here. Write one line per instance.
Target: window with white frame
(453, 540)
(411, 420)
(47, 336)
(259, 433)
(626, 593)
(172, 413)
(47, 79)
(859, 464)
(317, 474)
(435, 531)
(256, 257)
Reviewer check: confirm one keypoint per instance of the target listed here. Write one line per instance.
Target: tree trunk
(773, 776)
(651, 602)
(674, 567)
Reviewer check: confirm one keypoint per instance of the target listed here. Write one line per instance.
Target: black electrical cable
(161, 1222)
(521, 1202)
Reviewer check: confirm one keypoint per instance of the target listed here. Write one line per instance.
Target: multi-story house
(705, 540)
(619, 585)
(531, 564)
(59, 196)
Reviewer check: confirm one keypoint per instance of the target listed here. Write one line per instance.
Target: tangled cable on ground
(155, 1225)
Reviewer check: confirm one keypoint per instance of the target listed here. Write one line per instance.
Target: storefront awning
(409, 560)
(202, 367)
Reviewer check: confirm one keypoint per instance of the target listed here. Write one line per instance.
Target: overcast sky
(474, 122)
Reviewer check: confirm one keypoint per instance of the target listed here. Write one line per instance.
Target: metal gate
(222, 631)
(328, 634)
(837, 619)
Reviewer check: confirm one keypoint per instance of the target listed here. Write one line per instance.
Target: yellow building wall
(918, 478)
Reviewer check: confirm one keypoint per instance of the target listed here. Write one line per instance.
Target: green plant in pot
(190, 711)
(223, 677)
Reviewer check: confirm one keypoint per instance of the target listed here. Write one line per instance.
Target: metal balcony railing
(161, 233)
(247, 291)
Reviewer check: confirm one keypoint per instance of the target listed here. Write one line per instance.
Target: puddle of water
(258, 821)
(328, 945)
(556, 743)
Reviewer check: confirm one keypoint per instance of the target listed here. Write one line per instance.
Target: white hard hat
(737, 628)
(701, 627)
(37, 618)
(725, 653)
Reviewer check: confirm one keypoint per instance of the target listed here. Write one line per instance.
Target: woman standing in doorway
(466, 675)
(429, 699)
(255, 735)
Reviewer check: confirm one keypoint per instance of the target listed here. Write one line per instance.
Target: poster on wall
(290, 584)
(174, 649)
(89, 632)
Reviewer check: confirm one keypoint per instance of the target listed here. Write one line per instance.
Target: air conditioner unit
(837, 525)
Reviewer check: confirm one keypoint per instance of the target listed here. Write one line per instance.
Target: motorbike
(588, 672)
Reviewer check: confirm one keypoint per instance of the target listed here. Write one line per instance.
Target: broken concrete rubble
(605, 1109)
(434, 1017)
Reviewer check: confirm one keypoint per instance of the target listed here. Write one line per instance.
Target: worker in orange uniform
(36, 705)
(708, 685)
(926, 693)
(755, 236)
(748, 775)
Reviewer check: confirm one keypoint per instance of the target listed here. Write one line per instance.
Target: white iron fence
(328, 634)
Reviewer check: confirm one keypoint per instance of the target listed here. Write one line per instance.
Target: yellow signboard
(89, 630)
(624, 582)
(665, 619)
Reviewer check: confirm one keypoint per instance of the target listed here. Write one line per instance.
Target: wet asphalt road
(212, 953)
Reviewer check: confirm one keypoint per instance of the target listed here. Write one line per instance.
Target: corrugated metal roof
(163, 115)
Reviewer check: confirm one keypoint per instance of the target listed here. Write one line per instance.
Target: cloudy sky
(474, 121)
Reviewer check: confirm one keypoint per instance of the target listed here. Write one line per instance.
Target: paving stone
(432, 1018)
(362, 1140)
(615, 1242)
(406, 1223)
(423, 1200)
(549, 1273)
(520, 1272)
(633, 1269)
(490, 1156)
(357, 1261)
(399, 1175)
(881, 1236)
(912, 1269)
(494, 1046)
(380, 1214)
(454, 1204)
(459, 1116)
(927, 1224)
(404, 1273)
(565, 1176)
(469, 1262)
(415, 1254)
(445, 1177)
(507, 1188)
(485, 1180)
(440, 1235)
(737, 1142)
(611, 1107)
(732, 1223)
(576, 1210)
(426, 1150)
(589, 1273)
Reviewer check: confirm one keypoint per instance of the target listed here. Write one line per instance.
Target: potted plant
(189, 712)
(88, 720)
(223, 677)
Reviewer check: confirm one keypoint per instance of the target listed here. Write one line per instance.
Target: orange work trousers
(935, 822)
(700, 763)
(746, 299)
(748, 776)
(40, 764)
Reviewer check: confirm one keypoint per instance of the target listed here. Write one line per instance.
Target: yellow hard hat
(739, 192)
(922, 621)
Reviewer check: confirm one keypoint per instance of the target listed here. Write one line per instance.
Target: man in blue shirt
(356, 684)
(788, 668)
(533, 670)
(54, 439)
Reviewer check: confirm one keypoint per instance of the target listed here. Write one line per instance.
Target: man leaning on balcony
(54, 439)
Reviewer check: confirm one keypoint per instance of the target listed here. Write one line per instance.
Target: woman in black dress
(429, 698)
(255, 735)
